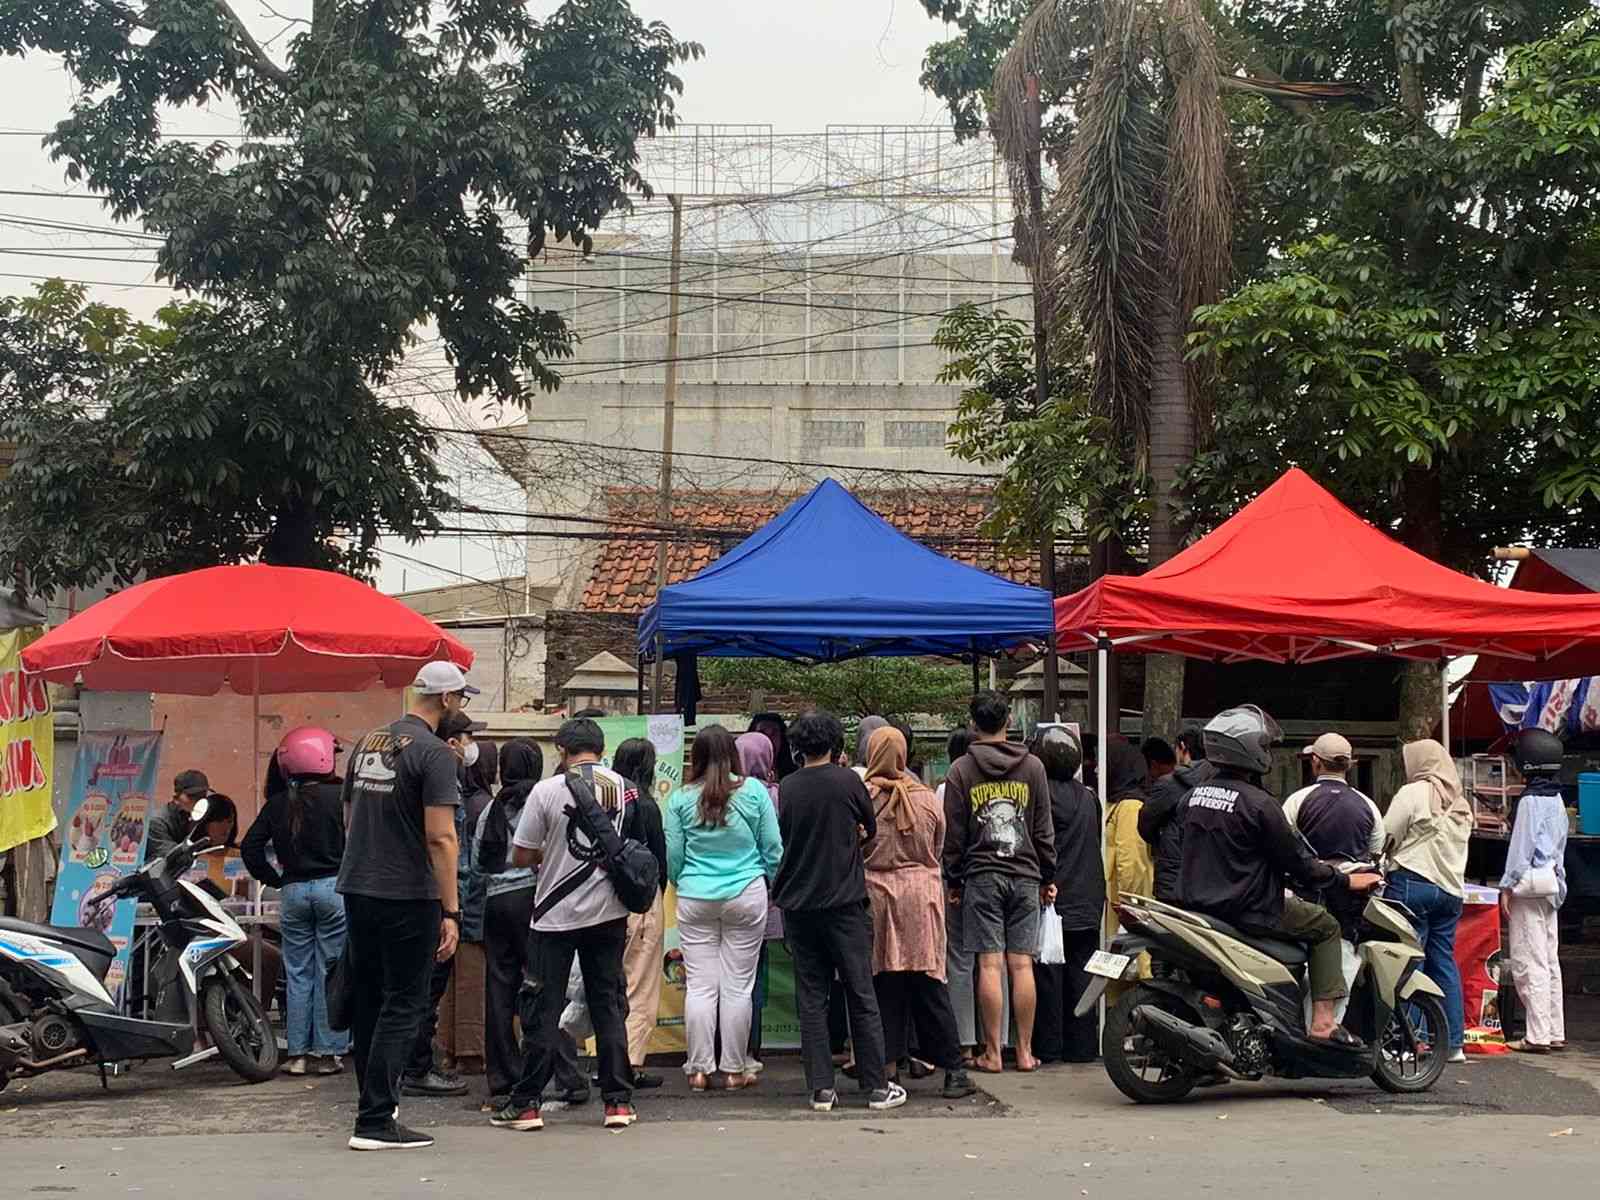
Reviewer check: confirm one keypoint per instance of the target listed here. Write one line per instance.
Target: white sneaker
(892, 1095)
(295, 1066)
(1458, 1055)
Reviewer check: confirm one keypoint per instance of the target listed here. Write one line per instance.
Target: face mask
(469, 756)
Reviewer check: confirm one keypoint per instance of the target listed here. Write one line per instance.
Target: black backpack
(633, 871)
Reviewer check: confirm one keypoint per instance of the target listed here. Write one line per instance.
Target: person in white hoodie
(1533, 889)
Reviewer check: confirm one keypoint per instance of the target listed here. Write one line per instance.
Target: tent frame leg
(1102, 659)
(977, 684)
(1444, 703)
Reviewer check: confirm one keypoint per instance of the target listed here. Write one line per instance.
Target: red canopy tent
(1295, 576)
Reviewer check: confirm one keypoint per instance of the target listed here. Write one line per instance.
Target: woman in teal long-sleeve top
(723, 851)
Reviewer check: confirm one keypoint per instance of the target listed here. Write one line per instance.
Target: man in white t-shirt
(576, 913)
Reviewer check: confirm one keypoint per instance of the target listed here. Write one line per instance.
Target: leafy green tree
(859, 687)
(396, 172)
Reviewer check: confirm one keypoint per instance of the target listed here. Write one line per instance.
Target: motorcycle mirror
(197, 814)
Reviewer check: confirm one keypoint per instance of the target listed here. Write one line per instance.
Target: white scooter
(55, 1011)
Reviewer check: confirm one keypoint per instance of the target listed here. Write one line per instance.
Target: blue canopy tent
(829, 579)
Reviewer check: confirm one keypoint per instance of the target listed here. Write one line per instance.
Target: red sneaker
(620, 1116)
(521, 1119)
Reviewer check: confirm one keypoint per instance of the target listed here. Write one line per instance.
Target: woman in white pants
(1533, 889)
(723, 850)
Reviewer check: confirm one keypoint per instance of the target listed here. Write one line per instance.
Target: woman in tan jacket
(1428, 825)
(906, 895)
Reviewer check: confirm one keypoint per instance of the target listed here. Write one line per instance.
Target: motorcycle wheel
(239, 1027)
(1399, 1069)
(1139, 1068)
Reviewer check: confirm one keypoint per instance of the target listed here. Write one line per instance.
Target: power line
(732, 458)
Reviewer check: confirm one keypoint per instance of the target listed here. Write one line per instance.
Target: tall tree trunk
(1171, 449)
(1422, 529)
(293, 541)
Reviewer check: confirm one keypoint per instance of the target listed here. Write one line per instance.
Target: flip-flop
(1028, 1070)
(1558, 1047)
(983, 1070)
(1524, 1046)
(1341, 1038)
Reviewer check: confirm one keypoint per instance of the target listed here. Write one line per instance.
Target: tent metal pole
(1102, 657)
(977, 684)
(638, 706)
(1444, 702)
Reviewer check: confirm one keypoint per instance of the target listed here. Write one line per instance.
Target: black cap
(454, 724)
(191, 783)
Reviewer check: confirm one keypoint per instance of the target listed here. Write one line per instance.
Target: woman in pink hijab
(756, 760)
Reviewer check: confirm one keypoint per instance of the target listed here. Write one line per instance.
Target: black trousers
(1058, 1036)
(421, 1061)
(908, 999)
(824, 941)
(505, 951)
(392, 944)
(505, 946)
(544, 994)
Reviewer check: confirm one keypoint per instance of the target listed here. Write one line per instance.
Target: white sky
(797, 67)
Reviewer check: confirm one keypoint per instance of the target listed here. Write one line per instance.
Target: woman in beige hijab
(1428, 824)
(906, 894)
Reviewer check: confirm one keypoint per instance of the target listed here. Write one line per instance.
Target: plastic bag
(1052, 947)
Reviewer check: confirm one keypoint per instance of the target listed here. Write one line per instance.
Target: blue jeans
(311, 921)
(1435, 913)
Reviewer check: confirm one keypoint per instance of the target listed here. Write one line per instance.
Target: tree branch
(259, 61)
(112, 7)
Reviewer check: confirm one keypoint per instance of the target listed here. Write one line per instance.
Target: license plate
(1103, 962)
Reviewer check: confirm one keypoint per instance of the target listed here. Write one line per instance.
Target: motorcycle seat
(1290, 954)
(73, 937)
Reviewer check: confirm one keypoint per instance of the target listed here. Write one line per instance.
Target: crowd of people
(914, 918)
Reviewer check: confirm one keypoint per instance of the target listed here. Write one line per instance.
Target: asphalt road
(1064, 1133)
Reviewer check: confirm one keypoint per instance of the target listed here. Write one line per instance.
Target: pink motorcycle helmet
(307, 750)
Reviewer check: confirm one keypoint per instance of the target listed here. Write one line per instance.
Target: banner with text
(27, 745)
(107, 813)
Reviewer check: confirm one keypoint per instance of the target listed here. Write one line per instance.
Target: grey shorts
(1000, 914)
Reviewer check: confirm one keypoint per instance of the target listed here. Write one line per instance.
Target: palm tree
(1138, 232)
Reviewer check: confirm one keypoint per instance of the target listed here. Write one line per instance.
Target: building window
(841, 434)
(914, 435)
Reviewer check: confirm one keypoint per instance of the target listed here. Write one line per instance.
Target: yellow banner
(27, 746)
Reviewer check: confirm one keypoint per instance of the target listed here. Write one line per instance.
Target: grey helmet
(1538, 752)
(1243, 738)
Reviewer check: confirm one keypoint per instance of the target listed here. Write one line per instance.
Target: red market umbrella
(256, 629)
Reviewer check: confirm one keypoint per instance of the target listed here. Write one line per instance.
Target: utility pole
(1041, 374)
(669, 398)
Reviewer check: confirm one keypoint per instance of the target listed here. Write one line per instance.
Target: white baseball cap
(442, 679)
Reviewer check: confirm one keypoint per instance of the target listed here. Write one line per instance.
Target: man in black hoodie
(999, 861)
(1160, 821)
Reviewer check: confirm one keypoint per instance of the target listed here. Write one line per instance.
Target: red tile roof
(624, 575)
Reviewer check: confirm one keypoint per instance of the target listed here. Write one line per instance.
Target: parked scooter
(1228, 1005)
(55, 1011)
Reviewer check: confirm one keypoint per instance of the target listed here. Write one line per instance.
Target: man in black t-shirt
(398, 880)
(824, 814)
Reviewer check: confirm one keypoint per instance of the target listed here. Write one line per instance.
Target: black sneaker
(823, 1100)
(958, 1085)
(891, 1095)
(644, 1080)
(574, 1097)
(434, 1083)
(395, 1137)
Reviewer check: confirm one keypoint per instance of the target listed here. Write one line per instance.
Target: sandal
(1342, 1038)
(1524, 1046)
(1557, 1047)
(698, 1083)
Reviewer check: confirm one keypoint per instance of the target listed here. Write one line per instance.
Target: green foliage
(960, 71)
(397, 172)
(1060, 464)
(135, 454)
(892, 687)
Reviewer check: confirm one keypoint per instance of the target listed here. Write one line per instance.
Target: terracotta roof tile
(623, 579)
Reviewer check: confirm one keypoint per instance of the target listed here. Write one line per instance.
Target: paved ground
(1062, 1134)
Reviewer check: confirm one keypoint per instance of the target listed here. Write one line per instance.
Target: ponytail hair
(714, 766)
(297, 807)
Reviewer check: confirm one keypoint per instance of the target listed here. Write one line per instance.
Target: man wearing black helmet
(1534, 887)
(1238, 851)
